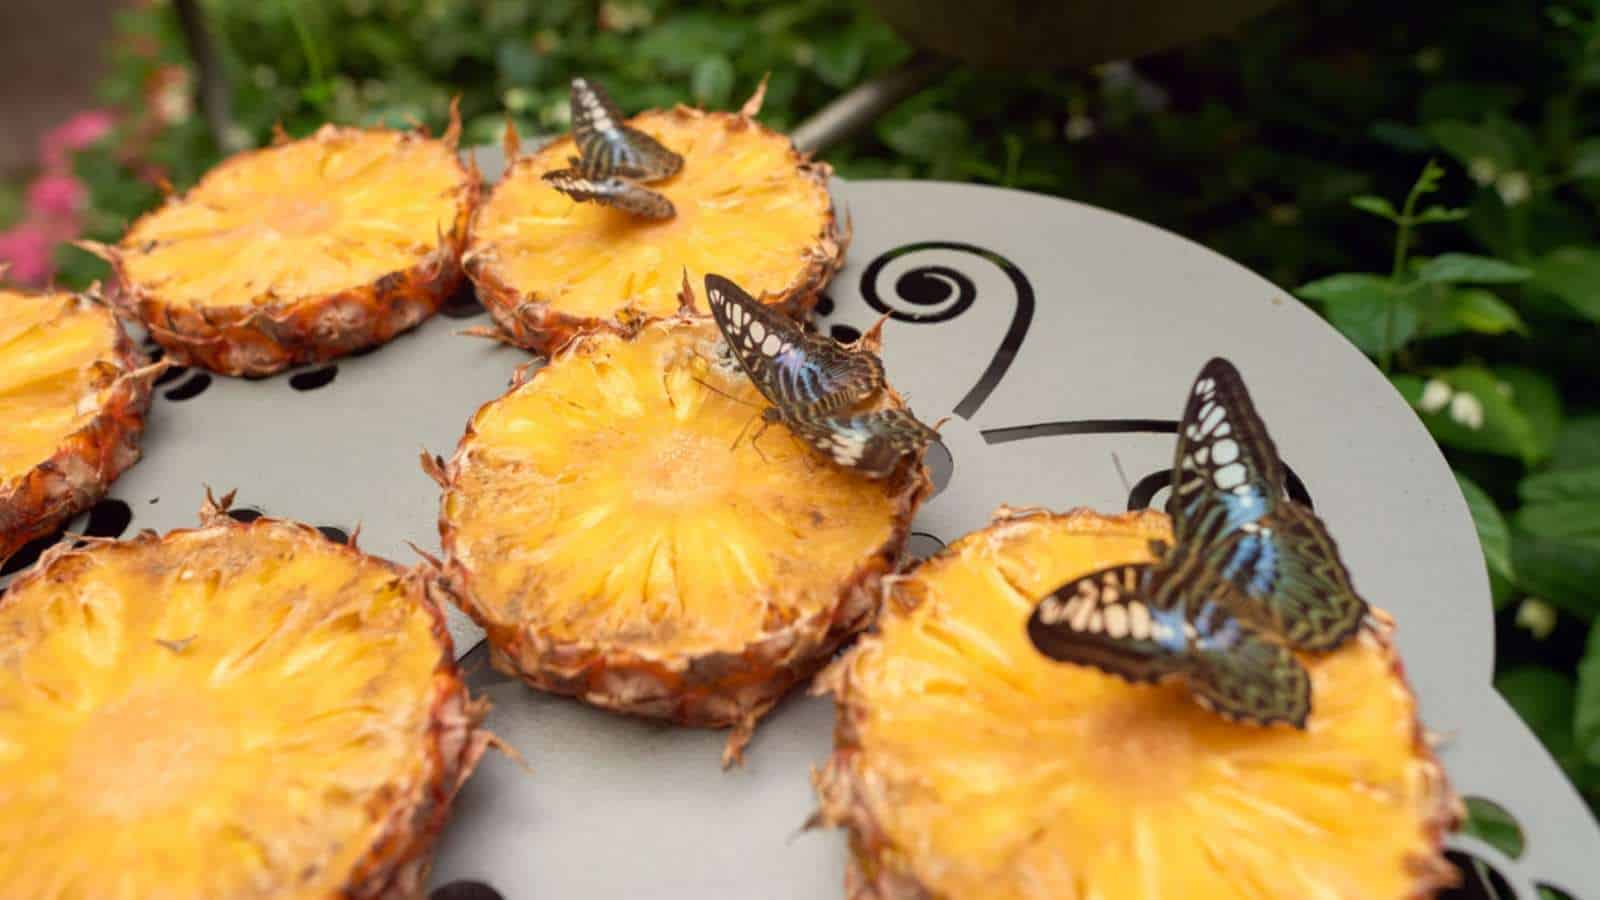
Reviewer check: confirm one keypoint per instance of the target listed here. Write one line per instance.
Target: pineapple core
(334, 212)
(605, 503)
(224, 712)
(746, 209)
(56, 358)
(978, 767)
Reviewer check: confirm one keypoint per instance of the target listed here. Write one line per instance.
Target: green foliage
(1293, 145)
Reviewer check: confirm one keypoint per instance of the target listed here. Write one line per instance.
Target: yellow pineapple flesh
(748, 207)
(619, 541)
(303, 251)
(229, 711)
(73, 394)
(969, 765)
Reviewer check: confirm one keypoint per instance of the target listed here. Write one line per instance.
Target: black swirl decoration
(931, 294)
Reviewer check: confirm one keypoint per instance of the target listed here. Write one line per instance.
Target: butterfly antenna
(1117, 461)
(722, 393)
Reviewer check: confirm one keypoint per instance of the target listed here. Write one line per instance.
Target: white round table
(1061, 339)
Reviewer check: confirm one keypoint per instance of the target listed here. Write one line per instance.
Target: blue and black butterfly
(1252, 577)
(814, 384)
(614, 160)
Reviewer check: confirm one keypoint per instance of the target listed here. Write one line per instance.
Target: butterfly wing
(1237, 673)
(1229, 509)
(872, 444)
(607, 147)
(1116, 621)
(1226, 471)
(618, 193)
(804, 374)
(1103, 620)
(1291, 580)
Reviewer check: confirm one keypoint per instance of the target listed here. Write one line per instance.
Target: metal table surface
(1061, 339)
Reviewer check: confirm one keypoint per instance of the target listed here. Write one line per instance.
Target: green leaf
(1586, 159)
(1493, 534)
(1378, 206)
(1563, 572)
(1463, 268)
(1375, 324)
(1573, 275)
(1478, 413)
(1439, 214)
(1350, 286)
(1472, 309)
(1478, 148)
(926, 134)
(1577, 483)
(1572, 519)
(1586, 717)
(1577, 444)
(1489, 822)
(839, 60)
(712, 81)
(1544, 699)
(1540, 401)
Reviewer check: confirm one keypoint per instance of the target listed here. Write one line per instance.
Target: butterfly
(802, 373)
(1251, 577)
(614, 159)
(619, 193)
(607, 147)
(813, 383)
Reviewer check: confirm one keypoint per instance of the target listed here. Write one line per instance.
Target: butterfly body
(1251, 578)
(814, 384)
(615, 160)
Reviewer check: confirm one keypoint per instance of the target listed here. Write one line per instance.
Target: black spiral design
(931, 294)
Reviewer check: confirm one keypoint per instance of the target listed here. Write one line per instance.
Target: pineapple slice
(748, 206)
(73, 394)
(601, 525)
(300, 252)
(969, 765)
(229, 711)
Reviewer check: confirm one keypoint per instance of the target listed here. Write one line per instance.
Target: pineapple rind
(727, 682)
(528, 308)
(267, 332)
(868, 786)
(391, 855)
(102, 442)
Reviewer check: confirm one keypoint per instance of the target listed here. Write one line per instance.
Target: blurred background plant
(1293, 144)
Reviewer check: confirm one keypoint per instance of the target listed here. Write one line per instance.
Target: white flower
(518, 99)
(1466, 410)
(1537, 616)
(1079, 127)
(1482, 170)
(1435, 396)
(557, 113)
(1514, 187)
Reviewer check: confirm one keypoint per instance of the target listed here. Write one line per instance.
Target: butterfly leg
(755, 441)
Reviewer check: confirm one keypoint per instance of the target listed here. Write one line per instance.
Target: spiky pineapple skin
(712, 690)
(397, 864)
(81, 470)
(529, 321)
(849, 791)
(266, 338)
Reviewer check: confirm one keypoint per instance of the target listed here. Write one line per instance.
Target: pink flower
(56, 195)
(83, 129)
(27, 249)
